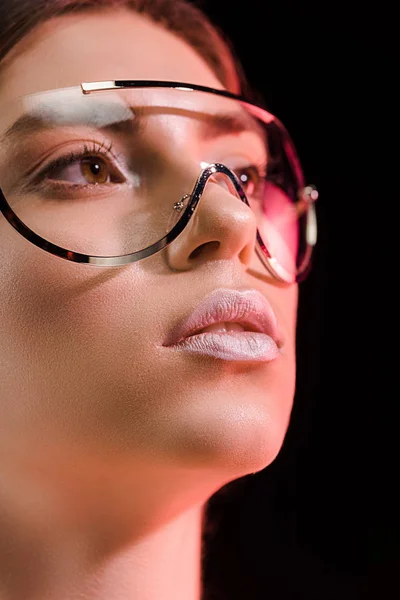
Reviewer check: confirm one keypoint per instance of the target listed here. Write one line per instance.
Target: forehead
(99, 45)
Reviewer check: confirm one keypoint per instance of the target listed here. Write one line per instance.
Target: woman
(120, 417)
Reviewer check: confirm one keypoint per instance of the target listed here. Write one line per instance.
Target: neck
(98, 533)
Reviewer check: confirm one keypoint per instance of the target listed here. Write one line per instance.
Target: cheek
(283, 298)
(77, 311)
(73, 351)
(285, 304)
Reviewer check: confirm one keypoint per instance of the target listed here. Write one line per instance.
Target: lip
(248, 308)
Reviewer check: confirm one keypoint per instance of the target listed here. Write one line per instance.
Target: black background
(320, 517)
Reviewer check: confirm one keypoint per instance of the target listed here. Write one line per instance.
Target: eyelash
(95, 150)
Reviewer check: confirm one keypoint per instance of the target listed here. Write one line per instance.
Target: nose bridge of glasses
(217, 192)
(183, 178)
(217, 174)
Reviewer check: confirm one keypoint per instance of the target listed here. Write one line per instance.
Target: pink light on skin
(277, 224)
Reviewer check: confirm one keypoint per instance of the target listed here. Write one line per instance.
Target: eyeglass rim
(309, 193)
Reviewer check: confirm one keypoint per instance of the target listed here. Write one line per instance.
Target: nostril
(205, 249)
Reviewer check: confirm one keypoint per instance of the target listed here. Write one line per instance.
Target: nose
(222, 227)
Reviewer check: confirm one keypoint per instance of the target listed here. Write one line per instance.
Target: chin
(233, 438)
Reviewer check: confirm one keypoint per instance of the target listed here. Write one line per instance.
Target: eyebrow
(220, 124)
(125, 120)
(102, 115)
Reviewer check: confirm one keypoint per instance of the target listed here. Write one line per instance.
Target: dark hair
(181, 17)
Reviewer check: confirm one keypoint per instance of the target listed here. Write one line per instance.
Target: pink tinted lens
(278, 224)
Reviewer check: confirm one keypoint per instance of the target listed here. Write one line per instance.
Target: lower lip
(236, 346)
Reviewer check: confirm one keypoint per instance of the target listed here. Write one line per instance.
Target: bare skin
(110, 444)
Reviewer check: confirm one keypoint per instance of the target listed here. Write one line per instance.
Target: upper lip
(249, 308)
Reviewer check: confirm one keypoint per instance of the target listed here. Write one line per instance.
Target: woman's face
(82, 363)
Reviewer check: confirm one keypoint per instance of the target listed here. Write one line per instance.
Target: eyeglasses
(108, 173)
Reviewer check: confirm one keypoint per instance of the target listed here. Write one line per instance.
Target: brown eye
(95, 170)
(251, 179)
(83, 168)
